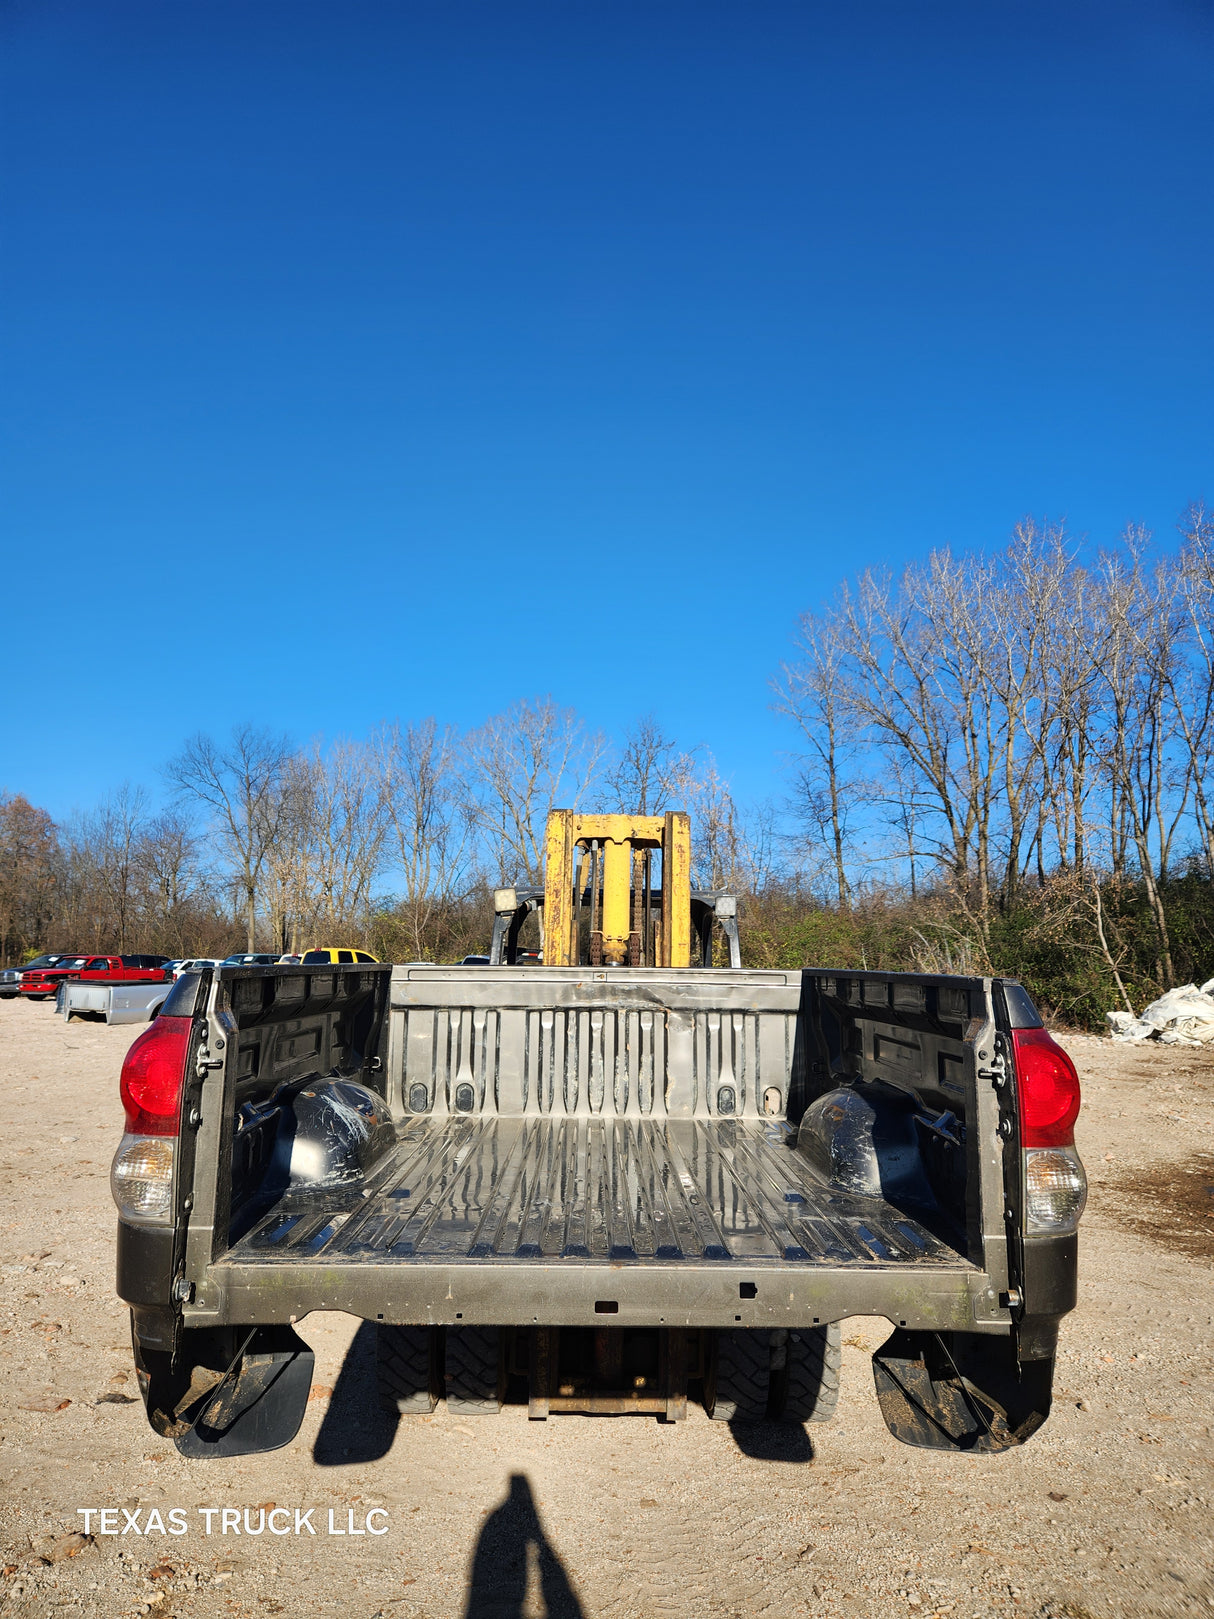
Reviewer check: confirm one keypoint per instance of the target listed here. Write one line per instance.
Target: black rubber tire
(473, 1376)
(406, 1373)
(808, 1389)
(739, 1380)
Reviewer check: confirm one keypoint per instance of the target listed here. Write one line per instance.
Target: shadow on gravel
(772, 1441)
(356, 1427)
(497, 1586)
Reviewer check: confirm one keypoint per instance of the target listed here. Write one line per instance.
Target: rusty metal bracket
(539, 1375)
(674, 1373)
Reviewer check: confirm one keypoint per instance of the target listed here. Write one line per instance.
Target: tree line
(1003, 765)
(391, 842)
(1014, 752)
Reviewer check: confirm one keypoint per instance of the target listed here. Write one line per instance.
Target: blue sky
(366, 360)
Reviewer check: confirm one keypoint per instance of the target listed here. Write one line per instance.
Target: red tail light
(1049, 1090)
(152, 1077)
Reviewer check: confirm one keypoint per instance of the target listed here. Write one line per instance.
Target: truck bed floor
(577, 1189)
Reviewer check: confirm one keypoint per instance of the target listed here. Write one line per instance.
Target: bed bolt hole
(606, 1307)
(748, 1290)
(459, 1315)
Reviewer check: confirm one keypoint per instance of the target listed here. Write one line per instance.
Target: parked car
(41, 984)
(249, 961)
(10, 977)
(192, 964)
(327, 958)
(475, 961)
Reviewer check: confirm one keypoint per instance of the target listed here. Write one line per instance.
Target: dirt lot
(1106, 1511)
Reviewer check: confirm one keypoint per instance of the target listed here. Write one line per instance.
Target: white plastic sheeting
(1182, 1017)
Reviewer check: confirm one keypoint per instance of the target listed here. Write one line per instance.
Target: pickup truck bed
(568, 1221)
(713, 1152)
(504, 1189)
(136, 1002)
(568, 1151)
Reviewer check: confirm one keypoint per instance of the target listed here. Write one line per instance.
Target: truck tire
(473, 1376)
(807, 1389)
(405, 1369)
(739, 1379)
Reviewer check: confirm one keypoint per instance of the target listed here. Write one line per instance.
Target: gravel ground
(1106, 1511)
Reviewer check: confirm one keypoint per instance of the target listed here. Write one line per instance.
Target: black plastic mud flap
(231, 1393)
(960, 1391)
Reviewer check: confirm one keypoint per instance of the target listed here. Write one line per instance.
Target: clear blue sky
(377, 359)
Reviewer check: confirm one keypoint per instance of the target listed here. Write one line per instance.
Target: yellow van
(326, 958)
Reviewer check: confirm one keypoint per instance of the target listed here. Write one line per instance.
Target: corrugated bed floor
(608, 1189)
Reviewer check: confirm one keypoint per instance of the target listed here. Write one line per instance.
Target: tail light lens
(1048, 1088)
(1055, 1190)
(1055, 1186)
(141, 1176)
(152, 1077)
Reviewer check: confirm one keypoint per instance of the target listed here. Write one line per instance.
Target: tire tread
(742, 1380)
(815, 1359)
(405, 1368)
(473, 1371)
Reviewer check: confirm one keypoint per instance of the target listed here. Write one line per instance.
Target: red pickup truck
(41, 984)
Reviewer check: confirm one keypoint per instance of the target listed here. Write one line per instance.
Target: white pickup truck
(116, 1003)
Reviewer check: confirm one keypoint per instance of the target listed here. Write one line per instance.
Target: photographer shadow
(497, 1586)
(356, 1427)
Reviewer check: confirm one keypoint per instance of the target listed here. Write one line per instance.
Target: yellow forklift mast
(617, 893)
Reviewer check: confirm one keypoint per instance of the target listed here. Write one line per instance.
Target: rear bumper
(622, 1294)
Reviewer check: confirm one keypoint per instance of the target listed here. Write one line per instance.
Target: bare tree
(30, 869)
(1191, 681)
(644, 776)
(521, 764)
(349, 821)
(288, 886)
(1148, 792)
(174, 899)
(241, 784)
(108, 841)
(811, 691)
(430, 821)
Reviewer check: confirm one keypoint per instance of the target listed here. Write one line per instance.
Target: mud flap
(228, 1394)
(960, 1391)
